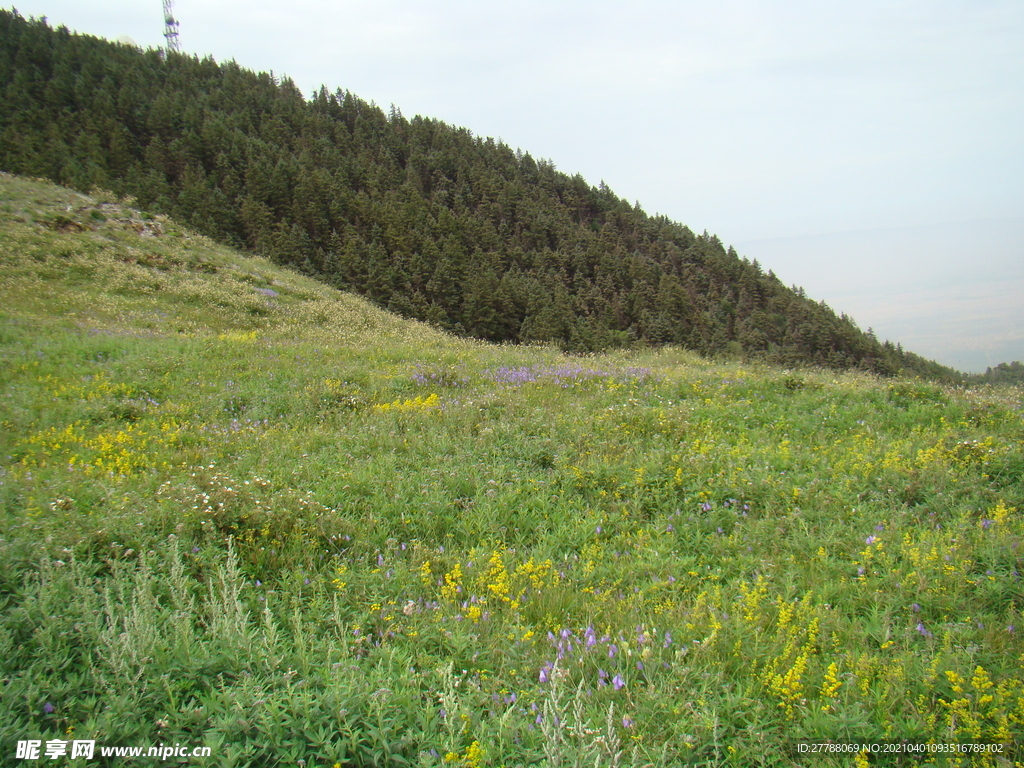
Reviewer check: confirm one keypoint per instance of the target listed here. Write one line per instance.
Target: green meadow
(245, 511)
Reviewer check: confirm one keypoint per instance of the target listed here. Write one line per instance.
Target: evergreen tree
(417, 215)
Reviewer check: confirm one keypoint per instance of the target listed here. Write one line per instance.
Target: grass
(245, 511)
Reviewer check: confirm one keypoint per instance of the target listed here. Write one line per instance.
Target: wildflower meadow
(247, 511)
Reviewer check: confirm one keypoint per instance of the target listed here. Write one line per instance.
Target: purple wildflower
(505, 375)
(923, 630)
(48, 708)
(618, 683)
(627, 722)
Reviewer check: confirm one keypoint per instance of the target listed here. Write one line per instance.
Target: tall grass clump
(246, 511)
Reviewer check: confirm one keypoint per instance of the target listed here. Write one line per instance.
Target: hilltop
(248, 513)
(422, 218)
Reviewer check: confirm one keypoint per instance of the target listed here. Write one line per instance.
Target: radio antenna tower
(170, 28)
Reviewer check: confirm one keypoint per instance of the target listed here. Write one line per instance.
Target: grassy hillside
(423, 218)
(244, 511)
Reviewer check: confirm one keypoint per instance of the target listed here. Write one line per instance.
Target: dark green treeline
(421, 217)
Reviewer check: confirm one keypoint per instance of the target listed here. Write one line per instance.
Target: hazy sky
(872, 152)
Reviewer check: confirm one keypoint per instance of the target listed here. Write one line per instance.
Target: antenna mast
(170, 28)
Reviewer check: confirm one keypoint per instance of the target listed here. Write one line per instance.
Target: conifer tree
(417, 215)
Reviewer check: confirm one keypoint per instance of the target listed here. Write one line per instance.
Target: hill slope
(244, 512)
(421, 217)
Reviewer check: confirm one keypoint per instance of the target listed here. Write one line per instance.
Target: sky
(869, 152)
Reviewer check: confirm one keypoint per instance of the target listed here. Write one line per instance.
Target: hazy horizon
(969, 316)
